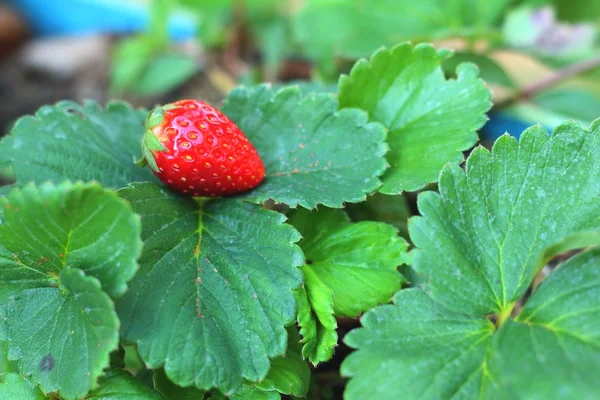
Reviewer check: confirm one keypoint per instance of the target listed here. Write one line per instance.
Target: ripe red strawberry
(195, 149)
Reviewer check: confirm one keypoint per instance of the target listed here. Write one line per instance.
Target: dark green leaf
(430, 120)
(48, 228)
(313, 154)
(248, 392)
(50, 236)
(70, 141)
(289, 374)
(416, 348)
(171, 391)
(121, 385)
(380, 207)
(486, 229)
(214, 291)
(14, 386)
(49, 328)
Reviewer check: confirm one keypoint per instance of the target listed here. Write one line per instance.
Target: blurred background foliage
(540, 57)
(514, 43)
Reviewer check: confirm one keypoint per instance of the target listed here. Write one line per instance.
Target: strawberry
(194, 149)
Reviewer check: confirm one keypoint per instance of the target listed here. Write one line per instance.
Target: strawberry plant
(113, 285)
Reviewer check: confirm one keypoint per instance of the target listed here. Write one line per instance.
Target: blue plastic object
(500, 123)
(81, 17)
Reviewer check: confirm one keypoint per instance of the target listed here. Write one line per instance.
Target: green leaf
(479, 243)
(357, 261)
(430, 120)
(50, 236)
(14, 386)
(489, 70)
(313, 154)
(48, 228)
(351, 267)
(289, 374)
(70, 141)
(318, 326)
(164, 73)
(214, 292)
(50, 327)
(556, 334)
(248, 392)
(171, 391)
(380, 207)
(416, 348)
(121, 385)
(486, 229)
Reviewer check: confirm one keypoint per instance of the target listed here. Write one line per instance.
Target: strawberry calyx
(150, 142)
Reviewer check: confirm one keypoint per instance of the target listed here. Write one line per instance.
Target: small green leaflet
(121, 385)
(215, 288)
(318, 326)
(351, 267)
(289, 374)
(14, 386)
(431, 120)
(313, 154)
(393, 210)
(248, 392)
(480, 242)
(51, 237)
(70, 141)
(171, 391)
